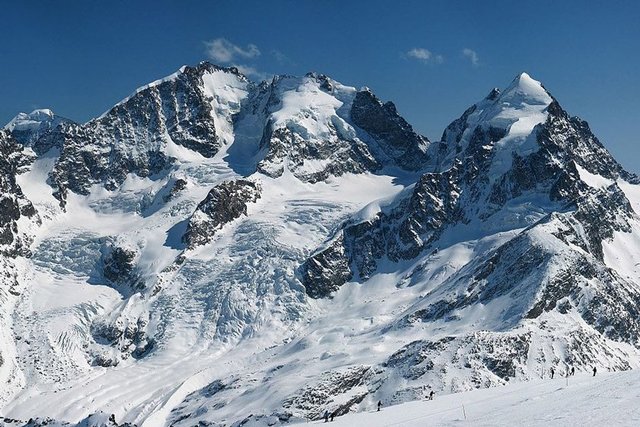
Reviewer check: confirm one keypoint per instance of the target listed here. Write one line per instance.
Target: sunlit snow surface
(582, 400)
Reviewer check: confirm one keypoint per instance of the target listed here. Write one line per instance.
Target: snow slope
(607, 399)
(582, 400)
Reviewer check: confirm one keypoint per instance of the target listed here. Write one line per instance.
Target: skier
(333, 415)
(594, 371)
(326, 416)
(379, 405)
(431, 395)
(573, 370)
(552, 372)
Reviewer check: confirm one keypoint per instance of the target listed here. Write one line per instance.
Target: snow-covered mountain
(212, 250)
(27, 128)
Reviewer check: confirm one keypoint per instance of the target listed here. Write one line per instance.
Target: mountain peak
(26, 128)
(24, 119)
(41, 113)
(187, 74)
(526, 90)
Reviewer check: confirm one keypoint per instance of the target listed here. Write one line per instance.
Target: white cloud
(472, 55)
(281, 57)
(423, 55)
(223, 51)
(420, 54)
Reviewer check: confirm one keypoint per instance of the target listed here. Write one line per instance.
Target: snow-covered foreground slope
(211, 249)
(582, 400)
(607, 399)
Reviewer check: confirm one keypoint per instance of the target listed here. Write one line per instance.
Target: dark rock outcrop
(315, 398)
(402, 232)
(119, 269)
(395, 136)
(224, 203)
(13, 203)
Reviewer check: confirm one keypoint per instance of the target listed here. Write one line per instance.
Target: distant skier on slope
(431, 395)
(573, 370)
(594, 371)
(326, 416)
(379, 405)
(552, 372)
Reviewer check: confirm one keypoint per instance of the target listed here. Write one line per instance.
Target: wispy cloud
(223, 51)
(280, 57)
(420, 54)
(423, 55)
(471, 55)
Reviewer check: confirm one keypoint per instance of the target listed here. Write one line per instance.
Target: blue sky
(432, 59)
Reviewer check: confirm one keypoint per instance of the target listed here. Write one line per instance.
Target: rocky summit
(215, 251)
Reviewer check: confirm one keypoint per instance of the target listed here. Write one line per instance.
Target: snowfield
(581, 400)
(608, 399)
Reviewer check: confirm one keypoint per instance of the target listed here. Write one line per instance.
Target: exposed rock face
(119, 268)
(118, 338)
(178, 186)
(396, 137)
(334, 157)
(86, 159)
(315, 398)
(327, 270)
(13, 203)
(99, 419)
(136, 135)
(224, 203)
(399, 233)
(317, 128)
(495, 359)
(307, 133)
